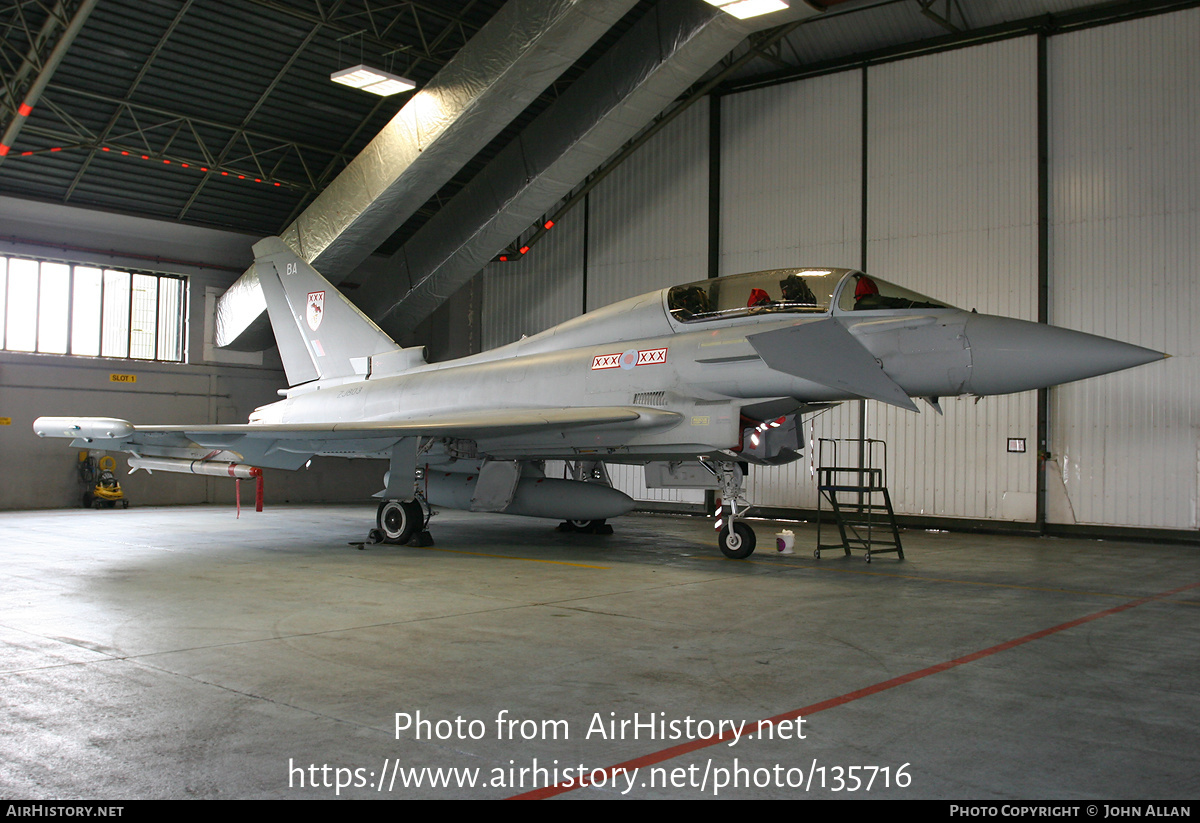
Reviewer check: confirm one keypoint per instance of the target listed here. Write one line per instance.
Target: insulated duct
(491, 80)
(653, 63)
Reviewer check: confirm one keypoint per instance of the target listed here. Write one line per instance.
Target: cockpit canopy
(777, 290)
(789, 290)
(865, 293)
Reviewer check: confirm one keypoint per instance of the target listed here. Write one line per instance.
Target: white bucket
(785, 541)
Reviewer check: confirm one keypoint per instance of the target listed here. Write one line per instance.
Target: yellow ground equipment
(100, 487)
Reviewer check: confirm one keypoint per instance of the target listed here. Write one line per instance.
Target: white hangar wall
(791, 195)
(1125, 262)
(649, 218)
(952, 212)
(951, 209)
(646, 229)
(541, 290)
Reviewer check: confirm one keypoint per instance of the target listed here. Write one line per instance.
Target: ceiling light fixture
(375, 81)
(741, 9)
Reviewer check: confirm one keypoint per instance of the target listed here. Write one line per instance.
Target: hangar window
(63, 308)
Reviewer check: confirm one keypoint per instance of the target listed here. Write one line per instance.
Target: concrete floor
(180, 653)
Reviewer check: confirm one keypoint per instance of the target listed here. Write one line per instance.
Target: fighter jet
(693, 382)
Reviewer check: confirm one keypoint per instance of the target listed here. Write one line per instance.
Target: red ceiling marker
(168, 162)
(24, 110)
(145, 157)
(224, 174)
(504, 258)
(56, 148)
(3, 149)
(124, 154)
(524, 249)
(104, 148)
(185, 165)
(549, 224)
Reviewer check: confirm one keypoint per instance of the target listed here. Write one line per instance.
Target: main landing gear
(734, 538)
(585, 526)
(403, 522)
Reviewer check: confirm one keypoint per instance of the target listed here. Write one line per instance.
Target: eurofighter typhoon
(695, 380)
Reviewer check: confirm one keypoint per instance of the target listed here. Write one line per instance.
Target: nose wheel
(736, 541)
(734, 538)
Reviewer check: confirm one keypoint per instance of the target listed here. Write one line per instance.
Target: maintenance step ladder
(862, 507)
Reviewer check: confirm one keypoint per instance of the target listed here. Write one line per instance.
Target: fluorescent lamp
(390, 86)
(373, 80)
(356, 77)
(741, 9)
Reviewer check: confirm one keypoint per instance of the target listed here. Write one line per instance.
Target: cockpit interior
(810, 291)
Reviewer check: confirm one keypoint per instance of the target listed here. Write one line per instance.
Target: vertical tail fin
(321, 334)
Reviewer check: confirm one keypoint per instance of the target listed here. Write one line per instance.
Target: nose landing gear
(734, 538)
(736, 541)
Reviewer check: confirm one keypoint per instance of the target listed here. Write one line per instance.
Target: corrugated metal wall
(647, 231)
(649, 224)
(542, 289)
(952, 212)
(952, 194)
(791, 175)
(649, 218)
(791, 186)
(1125, 255)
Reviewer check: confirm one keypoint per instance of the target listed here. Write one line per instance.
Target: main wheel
(737, 544)
(399, 519)
(590, 526)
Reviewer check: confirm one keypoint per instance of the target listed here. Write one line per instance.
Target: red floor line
(702, 743)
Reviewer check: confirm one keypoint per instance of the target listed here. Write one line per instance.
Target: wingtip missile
(83, 428)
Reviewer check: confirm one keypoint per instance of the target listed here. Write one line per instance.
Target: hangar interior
(1029, 158)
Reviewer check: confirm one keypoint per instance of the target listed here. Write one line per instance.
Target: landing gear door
(690, 474)
(496, 485)
(399, 480)
(772, 442)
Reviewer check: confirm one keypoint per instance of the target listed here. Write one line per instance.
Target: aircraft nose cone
(1010, 355)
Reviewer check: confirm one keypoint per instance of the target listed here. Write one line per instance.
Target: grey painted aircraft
(693, 382)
